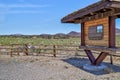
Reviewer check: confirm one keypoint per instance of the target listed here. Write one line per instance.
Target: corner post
(82, 34)
(112, 31)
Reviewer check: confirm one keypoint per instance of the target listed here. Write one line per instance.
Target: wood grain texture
(105, 40)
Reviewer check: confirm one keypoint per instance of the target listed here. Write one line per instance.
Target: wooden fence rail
(25, 48)
(18, 48)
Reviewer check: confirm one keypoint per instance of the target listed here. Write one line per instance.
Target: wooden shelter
(97, 28)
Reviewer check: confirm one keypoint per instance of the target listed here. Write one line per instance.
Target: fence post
(18, 52)
(11, 52)
(26, 49)
(76, 52)
(111, 59)
(54, 50)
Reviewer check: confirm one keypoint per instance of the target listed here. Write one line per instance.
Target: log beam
(98, 60)
(95, 16)
(90, 56)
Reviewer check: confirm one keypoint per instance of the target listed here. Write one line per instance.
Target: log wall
(105, 40)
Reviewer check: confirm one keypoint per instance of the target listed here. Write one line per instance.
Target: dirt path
(50, 68)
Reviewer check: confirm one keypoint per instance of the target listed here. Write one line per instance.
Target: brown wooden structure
(97, 28)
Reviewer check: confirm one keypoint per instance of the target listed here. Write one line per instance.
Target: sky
(31, 17)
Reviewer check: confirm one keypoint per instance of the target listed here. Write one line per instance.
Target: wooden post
(54, 50)
(26, 49)
(11, 52)
(18, 52)
(112, 31)
(82, 35)
(100, 58)
(111, 59)
(90, 56)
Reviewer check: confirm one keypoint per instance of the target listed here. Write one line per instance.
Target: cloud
(22, 6)
(25, 9)
(24, 12)
(8, 9)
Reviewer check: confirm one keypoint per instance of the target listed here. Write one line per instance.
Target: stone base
(90, 67)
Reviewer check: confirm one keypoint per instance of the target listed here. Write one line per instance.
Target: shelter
(97, 28)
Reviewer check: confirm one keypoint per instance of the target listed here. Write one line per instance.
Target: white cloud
(24, 12)
(7, 9)
(22, 6)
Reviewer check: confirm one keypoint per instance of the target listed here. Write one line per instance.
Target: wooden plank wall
(105, 40)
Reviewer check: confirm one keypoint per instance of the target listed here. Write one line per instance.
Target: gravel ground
(50, 68)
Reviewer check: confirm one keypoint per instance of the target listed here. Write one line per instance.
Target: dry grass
(63, 67)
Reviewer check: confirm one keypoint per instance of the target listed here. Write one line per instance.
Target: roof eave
(90, 9)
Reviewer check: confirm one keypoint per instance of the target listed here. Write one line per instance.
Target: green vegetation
(5, 40)
(36, 41)
(118, 40)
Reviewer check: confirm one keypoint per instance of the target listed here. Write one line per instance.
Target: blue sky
(39, 16)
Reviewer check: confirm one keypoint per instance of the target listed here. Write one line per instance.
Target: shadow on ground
(80, 62)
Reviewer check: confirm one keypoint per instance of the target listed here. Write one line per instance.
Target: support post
(100, 58)
(90, 56)
(112, 31)
(82, 34)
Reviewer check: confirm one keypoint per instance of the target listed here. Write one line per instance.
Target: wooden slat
(102, 42)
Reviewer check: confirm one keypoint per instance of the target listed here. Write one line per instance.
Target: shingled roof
(97, 10)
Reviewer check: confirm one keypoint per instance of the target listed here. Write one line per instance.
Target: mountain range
(72, 34)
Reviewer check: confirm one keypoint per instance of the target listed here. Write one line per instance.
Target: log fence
(46, 49)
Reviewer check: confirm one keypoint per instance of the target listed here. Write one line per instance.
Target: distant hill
(55, 36)
(17, 34)
(74, 33)
(117, 31)
(77, 34)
